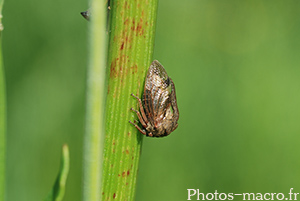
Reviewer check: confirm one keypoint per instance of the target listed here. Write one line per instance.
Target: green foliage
(58, 191)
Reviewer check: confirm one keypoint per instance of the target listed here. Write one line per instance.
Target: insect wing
(157, 93)
(174, 102)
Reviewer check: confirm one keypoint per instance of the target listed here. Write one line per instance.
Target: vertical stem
(130, 53)
(2, 116)
(93, 149)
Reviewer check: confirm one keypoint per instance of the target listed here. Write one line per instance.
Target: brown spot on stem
(127, 152)
(126, 21)
(138, 28)
(134, 68)
(122, 46)
(117, 66)
(114, 196)
(128, 172)
(123, 174)
(113, 71)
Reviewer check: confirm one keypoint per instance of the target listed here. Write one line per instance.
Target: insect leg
(141, 131)
(140, 117)
(142, 109)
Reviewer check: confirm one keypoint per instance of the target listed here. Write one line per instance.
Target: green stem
(130, 54)
(2, 116)
(93, 144)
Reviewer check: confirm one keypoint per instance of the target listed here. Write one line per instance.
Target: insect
(159, 112)
(87, 14)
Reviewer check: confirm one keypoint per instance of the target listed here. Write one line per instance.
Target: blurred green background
(236, 68)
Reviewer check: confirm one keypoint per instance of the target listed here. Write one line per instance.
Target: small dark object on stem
(86, 14)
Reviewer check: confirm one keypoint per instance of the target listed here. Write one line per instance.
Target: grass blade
(58, 191)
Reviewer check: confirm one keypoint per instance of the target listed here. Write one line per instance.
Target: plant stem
(2, 116)
(93, 144)
(130, 54)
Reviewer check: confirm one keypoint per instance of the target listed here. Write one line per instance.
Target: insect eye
(167, 82)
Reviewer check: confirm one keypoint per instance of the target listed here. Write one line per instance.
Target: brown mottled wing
(156, 92)
(148, 105)
(161, 104)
